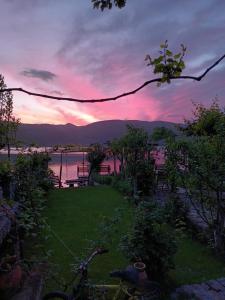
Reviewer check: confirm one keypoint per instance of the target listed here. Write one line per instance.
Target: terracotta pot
(140, 268)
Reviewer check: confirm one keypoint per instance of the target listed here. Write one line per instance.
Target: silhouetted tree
(95, 158)
(102, 4)
(8, 122)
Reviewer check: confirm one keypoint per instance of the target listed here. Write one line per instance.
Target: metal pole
(83, 163)
(60, 171)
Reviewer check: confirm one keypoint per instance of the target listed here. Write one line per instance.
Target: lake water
(70, 162)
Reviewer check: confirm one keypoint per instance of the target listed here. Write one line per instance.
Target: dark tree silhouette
(102, 4)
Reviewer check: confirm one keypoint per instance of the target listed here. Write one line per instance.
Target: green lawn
(195, 263)
(74, 214)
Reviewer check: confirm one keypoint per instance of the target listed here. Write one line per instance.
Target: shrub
(175, 210)
(122, 185)
(31, 183)
(5, 178)
(103, 179)
(145, 177)
(151, 240)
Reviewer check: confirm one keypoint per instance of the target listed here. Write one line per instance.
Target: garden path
(210, 290)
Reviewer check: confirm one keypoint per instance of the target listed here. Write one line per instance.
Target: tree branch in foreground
(198, 78)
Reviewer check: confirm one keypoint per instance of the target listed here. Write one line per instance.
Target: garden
(143, 213)
(161, 224)
(193, 262)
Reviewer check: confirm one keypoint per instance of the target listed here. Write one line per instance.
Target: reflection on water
(70, 161)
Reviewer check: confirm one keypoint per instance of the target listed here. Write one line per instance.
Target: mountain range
(98, 132)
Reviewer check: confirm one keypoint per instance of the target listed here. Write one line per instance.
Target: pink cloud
(145, 105)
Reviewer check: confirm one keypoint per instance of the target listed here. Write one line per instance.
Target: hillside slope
(98, 132)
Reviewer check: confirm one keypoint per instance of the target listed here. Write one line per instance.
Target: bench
(80, 181)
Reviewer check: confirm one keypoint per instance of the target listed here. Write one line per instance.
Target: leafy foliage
(167, 64)
(108, 4)
(198, 165)
(32, 182)
(108, 229)
(151, 240)
(95, 158)
(162, 133)
(145, 177)
(176, 214)
(122, 185)
(116, 152)
(207, 121)
(6, 173)
(138, 167)
(103, 179)
(8, 122)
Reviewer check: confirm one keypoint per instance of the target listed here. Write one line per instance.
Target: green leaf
(177, 56)
(158, 60)
(169, 53)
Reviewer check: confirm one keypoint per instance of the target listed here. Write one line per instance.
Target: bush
(5, 178)
(175, 211)
(145, 177)
(151, 240)
(32, 181)
(103, 179)
(122, 185)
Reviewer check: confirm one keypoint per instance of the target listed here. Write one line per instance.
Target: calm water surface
(70, 161)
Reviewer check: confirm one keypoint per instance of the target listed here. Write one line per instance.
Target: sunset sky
(67, 48)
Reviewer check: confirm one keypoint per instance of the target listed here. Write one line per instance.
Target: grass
(195, 263)
(75, 216)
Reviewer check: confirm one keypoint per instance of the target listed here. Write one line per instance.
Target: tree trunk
(60, 172)
(114, 165)
(9, 152)
(90, 177)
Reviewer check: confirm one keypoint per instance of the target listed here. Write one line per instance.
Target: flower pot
(140, 268)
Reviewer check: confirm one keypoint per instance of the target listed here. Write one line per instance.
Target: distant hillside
(98, 132)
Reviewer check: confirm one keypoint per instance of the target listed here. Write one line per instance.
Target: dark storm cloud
(41, 74)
